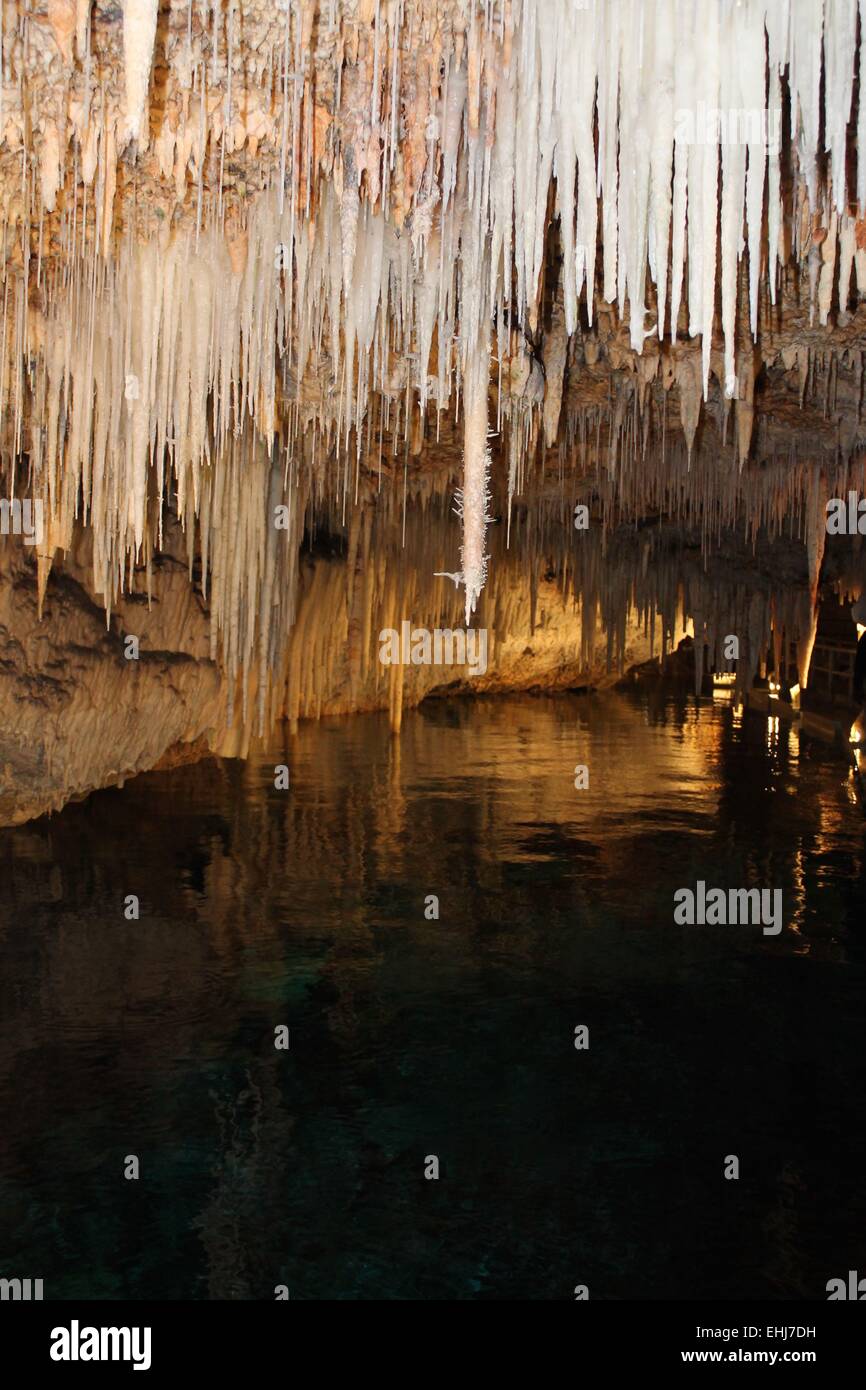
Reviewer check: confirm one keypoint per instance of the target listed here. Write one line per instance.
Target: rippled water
(453, 1038)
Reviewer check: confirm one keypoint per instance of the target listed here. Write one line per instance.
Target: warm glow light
(860, 629)
(855, 735)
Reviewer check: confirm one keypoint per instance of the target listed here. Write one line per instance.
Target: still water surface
(453, 1038)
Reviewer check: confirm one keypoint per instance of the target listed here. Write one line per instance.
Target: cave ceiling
(315, 255)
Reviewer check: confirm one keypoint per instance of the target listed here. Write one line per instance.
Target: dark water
(453, 1038)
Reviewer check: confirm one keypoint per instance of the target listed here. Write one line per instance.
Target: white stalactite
(139, 32)
(373, 259)
(476, 479)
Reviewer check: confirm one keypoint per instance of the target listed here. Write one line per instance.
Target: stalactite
(339, 239)
(475, 493)
(139, 31)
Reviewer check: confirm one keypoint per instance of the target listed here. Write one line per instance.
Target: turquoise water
(452, 1037)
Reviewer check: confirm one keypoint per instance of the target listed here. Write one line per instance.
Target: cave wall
(77, 714)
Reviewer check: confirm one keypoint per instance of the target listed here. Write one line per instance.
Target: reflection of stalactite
(229, 1226)
(783, 1230)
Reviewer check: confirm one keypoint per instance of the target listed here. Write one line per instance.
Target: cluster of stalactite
(602, 587)
(660, 576)
(249, 248)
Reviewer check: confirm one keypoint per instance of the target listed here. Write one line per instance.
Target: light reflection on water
(452, 1037)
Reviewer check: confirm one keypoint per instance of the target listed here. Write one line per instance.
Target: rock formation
(279, 277)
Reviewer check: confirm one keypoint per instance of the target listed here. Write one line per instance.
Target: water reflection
(453, 1036)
